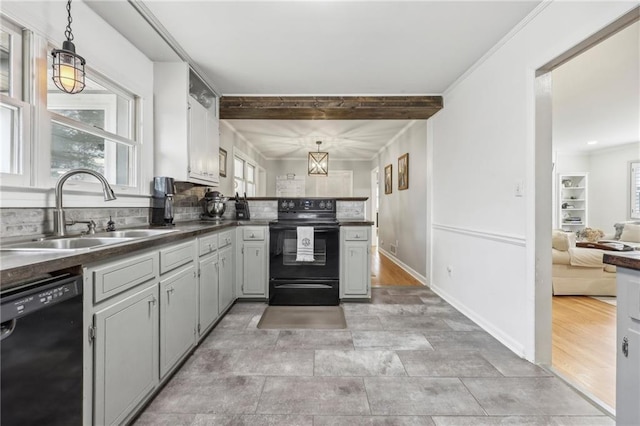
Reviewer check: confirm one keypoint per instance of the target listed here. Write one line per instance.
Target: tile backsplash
(21, 223)
(25, 222)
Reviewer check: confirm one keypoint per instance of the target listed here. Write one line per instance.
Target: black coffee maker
(162, 201)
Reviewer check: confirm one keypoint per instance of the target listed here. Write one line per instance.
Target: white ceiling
(596, 96)
(369, 48)
(343, 139)
(322, 48)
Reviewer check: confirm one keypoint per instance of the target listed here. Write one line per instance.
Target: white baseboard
(513, 345)
(407, 268)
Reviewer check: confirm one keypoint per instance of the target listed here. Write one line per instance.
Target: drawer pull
(625, 347)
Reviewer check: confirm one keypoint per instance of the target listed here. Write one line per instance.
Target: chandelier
(318, 162)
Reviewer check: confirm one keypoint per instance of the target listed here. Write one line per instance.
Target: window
(635, 189)
(93, 129)
(44, 132)
(14, 111)
(244, 174)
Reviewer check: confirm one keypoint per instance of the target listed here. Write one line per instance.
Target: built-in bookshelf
(572, 201)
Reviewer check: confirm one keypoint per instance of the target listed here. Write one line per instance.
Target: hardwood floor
(584, 344)
(385, 272)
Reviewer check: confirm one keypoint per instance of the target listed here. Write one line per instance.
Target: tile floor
(408, 358)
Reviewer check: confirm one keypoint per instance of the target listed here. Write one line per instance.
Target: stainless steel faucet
(59, 222)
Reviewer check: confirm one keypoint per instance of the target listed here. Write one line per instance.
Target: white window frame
(33, 187)
(634, 189)
(22, 131)
(21, 143)
(247, 161)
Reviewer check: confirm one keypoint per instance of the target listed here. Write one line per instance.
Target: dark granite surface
(16, 267)
(355, 222)
(627, 259)
(319, 198)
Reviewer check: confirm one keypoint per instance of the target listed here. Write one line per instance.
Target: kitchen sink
(138, 233)
(65, 244)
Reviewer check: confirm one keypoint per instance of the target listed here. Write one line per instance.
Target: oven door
(304, 283)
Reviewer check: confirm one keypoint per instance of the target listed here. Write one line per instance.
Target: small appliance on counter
(162, 201)
(242, 208)
(214, 205)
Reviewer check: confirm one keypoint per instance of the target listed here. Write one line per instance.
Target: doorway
(548, 314)
(373, 211)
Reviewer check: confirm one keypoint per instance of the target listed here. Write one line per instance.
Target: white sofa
(579, 271)
(627, 233)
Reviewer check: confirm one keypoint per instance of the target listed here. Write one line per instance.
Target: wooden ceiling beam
(329, 107)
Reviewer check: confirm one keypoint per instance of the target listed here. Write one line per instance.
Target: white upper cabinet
(186, 128)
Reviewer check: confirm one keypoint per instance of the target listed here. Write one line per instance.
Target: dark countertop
(319, 198)
(355, 222)
(16, 267)
(623, 259)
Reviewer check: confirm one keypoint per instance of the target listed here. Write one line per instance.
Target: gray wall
(402, 214)
(361, 174)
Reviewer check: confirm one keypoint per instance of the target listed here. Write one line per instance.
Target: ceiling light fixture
(318, 162)
(592, 142)
(68, 66)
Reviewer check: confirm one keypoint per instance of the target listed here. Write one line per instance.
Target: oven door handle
(304, 286)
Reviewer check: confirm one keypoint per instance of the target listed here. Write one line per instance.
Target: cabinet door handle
(625, 347)
(152, 303)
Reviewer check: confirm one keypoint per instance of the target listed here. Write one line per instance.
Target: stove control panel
(307, 204)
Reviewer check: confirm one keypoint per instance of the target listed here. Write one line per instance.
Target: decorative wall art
(403, 172)
(388, 179)
(223, 163)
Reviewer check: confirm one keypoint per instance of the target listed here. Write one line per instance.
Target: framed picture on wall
(223, 163)
(388, 179)
(403, 171)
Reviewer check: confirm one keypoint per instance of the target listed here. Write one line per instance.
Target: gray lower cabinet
(628, 354)
(126, 354)
(208, 288)
(253, 256)
(355, 263)
(178, 322)
(142, 312)
(225, 277)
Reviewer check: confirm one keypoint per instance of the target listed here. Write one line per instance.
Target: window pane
(238, 168)
(251, 170)
(239, 186)
(114, 110)
(9, 132)
(5, 63)
(251, 190)
(72, 148)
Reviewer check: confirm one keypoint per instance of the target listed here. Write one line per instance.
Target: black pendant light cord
(67, 32)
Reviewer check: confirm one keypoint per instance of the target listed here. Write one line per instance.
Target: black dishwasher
(41, 353)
